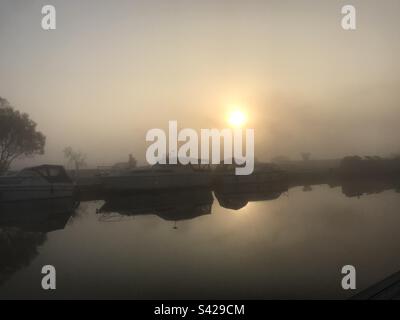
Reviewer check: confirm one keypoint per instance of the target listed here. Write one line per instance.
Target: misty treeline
(19, 137)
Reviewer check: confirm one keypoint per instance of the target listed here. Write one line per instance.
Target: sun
(237, 118)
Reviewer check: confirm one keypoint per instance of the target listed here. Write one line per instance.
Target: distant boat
(157, 177)
(265, 173)
(37, 183)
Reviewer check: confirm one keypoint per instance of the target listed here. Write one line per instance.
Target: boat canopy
(51, 173)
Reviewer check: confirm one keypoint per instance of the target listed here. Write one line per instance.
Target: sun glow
(237, 118)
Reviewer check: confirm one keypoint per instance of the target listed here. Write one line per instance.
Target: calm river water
(290, 247)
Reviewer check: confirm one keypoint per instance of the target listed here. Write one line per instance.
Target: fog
(112, 70)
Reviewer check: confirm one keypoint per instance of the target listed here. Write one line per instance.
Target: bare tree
(75, 158)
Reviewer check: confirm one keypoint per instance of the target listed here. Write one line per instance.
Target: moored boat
(37, 183)
(226, 178)
(157, 177)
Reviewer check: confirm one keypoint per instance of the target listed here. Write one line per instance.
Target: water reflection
(23, 228)
(176, 205)
(351, 187)
(272, 233)
(238, 196)
(169, 205)
(360, 187)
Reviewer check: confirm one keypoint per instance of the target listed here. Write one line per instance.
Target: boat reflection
(169, 205)
(39, 215)
(350, 186)
(24, 227)
(360, 187)
(175, 205)
(238, 196)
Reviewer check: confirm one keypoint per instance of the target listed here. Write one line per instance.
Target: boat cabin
(50, 173)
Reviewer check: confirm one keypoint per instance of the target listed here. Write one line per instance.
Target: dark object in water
(38, 216)
(387, 289)
(168, 205)
(370, 166)
(238, 196)
(267, 182)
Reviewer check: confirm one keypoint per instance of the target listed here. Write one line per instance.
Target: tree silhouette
(75, 158)
(18, 136)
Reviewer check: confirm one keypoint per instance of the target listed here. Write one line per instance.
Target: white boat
(158, 177)
(37, 183)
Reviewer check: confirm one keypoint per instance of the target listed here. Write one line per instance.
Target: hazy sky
(114, 69)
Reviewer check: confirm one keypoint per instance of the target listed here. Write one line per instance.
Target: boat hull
(155, 182)
(29, 193)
